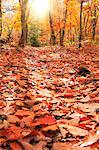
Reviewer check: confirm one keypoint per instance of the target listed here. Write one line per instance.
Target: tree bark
(80, 33)
(23, 38)
(62, 30)
(85, 26)
(0, 19)
(53, 37)
(94, 24)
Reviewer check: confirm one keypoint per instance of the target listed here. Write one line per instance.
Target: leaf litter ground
(49, 98)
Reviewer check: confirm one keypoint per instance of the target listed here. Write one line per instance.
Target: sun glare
(40, 7)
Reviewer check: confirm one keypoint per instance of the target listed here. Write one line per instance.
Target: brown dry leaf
(4, 124)
(18, 76)
(22, 113)
(96, 117)
(63, 131)
(49, 120)
(25, 132)
(76, 131)
(27, 146)
(36, 107)
(45, 92)
(2, 104)
(21, 82)
(19, 103)
(40, 145)
(91, 138)
(70, 122)
(9, 108)
(12, 119)
(15, 146)
(30, 95)
(70, 100)
(85, 99)
(58, 113)
(67, 146)
(13, 132)
(2, 140)
(96, 74)
(51, 127)
(26, 121)
(88, 107)
(81, 79)
(41, 112)
(95, 146)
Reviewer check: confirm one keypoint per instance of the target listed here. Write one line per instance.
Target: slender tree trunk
(0, 19)
(80, 33)
(94, 24)
(26, 32)
(62, 31)
(70, 33)
(53, 37)
(23, 38)
(85, 27)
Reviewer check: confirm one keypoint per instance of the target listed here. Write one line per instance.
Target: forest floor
(49, 98)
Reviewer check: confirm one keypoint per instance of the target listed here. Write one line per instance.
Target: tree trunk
(23, 38)
(62, 30)
(62, 37)
(80, 33)
(85, 27)
(94, 24)
(0, 19)
(26, 32)
(53, 37)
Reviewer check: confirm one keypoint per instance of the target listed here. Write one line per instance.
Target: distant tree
(63, 28)
(10, 30)
(80, 32)
(24, 28)
(94, 18)
(81, 16)
(53, 37)
(86, 20)
(0, 19)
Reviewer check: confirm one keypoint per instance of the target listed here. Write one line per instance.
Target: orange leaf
(27, 146)
(91, 138)
(15, 146)
(21, 113)
(46, 120)
(51, 127)
(2, 140)
(13, 119)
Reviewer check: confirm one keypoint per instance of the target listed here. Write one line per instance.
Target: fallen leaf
(67, 146)
(40, 146)
(51, 127)
(4, 124)
(26, 121)
(21, 113)
(91, 138)
(48, 120)
(63, 131)
(13, 132)
(2, 140)
(45, 92)
(76, 131)
(13, 119)
(15, 146)
(27, 146)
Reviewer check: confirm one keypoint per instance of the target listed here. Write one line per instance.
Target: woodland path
(49, 98)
